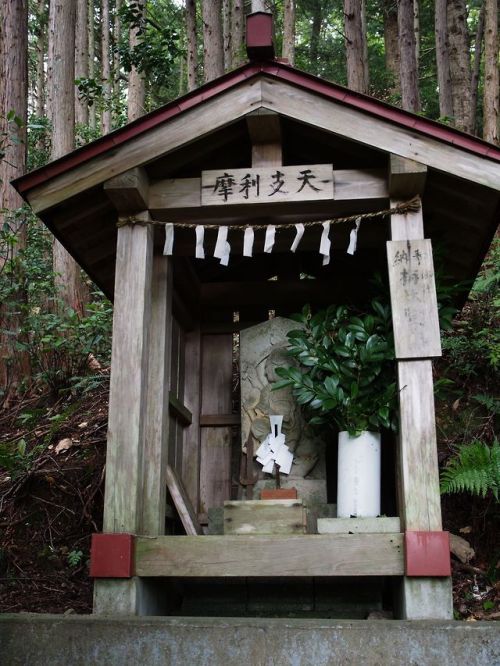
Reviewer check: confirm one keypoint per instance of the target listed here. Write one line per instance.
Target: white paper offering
(269, 240)
(269, 467)
(299, 232)
(220, 245)
(325, 243)
(200, 236)
(284, 460)
(264, 448)
(353, 237)
(276, 443)
(168, 248)
(248, 237)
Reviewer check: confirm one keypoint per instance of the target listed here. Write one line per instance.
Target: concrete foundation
(50, 640)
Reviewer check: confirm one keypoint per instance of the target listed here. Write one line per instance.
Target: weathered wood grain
(182, 502)
(413, 298)
(129, 192)
(129, 380)
(157, 421)
(264, 517)
(285, 556)
(192, 399)
(175, 194)
(286, 99)
(406, 177)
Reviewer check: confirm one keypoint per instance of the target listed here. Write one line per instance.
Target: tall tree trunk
(212, 39)
(491, 76)
(460, 69)
(410, 97)
(106, 68)
(192, 50)
(226, 32)
(288, 50)
(91, 41)
(237, 32)
(81, 59)
(40, 59)
(13, 99)
(355, 45)
(391, 42)
(443, 59)
(62, 17)
(416, 29)
(316, 23)
(116, 54)
(476, 69)
(136, 82)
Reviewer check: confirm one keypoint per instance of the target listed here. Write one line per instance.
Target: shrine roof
(275, 70)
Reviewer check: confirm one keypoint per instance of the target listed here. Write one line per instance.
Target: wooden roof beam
(129, 192)
(264, 128)
(406, 177)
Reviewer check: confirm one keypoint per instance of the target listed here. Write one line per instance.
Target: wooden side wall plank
(127, 402)
(182, 502)
(281, 555)
(157, 417)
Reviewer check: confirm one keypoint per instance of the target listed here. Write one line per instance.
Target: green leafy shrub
(475, 469)
(345, 370)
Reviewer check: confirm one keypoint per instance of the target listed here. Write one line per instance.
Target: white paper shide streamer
(325, 243)
(299, 232)
(200, 237)
(222, 247)
(353, 238)
(248, 238)
(168, 248)
(269, 240)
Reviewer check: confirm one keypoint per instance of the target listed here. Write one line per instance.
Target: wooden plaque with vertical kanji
(413, 299)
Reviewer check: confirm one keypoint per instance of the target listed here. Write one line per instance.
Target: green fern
(474, 469)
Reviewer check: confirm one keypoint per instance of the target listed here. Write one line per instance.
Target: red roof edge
(274, 69)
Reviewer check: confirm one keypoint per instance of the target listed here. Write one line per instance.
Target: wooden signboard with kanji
(311, 182)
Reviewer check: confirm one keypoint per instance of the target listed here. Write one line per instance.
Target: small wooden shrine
(265, 147)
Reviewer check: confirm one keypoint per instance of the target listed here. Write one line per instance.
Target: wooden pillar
(416, 329)
(135, 488)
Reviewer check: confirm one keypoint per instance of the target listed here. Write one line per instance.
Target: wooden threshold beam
(257, 556)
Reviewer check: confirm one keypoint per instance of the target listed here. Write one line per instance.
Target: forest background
(73, 70)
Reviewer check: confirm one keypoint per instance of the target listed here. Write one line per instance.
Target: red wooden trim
(111, 556)
(427, 554)
(274, 69)
(278, 493)
(260, 36)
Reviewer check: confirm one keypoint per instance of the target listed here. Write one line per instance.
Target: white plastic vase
(358, 481)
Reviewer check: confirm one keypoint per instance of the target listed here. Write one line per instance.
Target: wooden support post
(417, 473)
(157, 414)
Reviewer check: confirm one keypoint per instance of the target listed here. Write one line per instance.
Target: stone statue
(262, 350)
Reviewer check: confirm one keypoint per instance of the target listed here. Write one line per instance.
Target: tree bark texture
(192, 52)
(61, 70)
(13, 99)
(288, 50)
(116, 55)
(212, 39)
(105, 68)
(41, 43)
(355, 43)
(443, 59)
(491, 75)
(460, 69)
(476, 69)
(391, 42)
(226, 32)
(81, 59)
(410, 97)
(91, 41)
(136, 81)
(237, 33)
(316, 24)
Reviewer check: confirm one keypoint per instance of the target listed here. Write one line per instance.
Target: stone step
(359, 525)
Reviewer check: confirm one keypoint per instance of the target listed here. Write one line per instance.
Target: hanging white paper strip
(325, 243)
(220, 245)
(248, 242)
(299, 232)
(200, 236)
(224, 260)
(168, 248)
(269, 240)
(353, 238)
